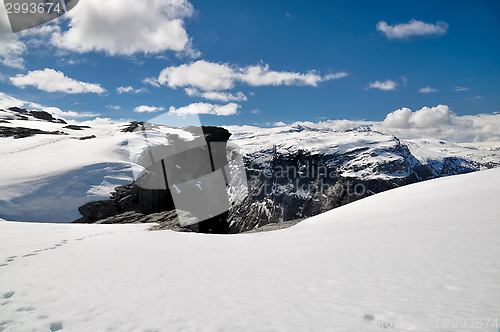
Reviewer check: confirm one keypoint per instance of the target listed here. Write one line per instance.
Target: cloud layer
(210, 76)
(148, 109)
(412, 28)
(205, 108)
(125, 27)
(54, 81)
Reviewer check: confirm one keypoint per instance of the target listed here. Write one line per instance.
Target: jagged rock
(76, 127)
(21, 132)
(83, 138)
(4, 121)
(42, 115)
(132, 126)
(18, 110)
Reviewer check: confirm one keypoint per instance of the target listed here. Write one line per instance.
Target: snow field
(406, 258)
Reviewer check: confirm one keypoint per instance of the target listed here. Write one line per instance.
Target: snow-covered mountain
(299, 171)
(423, 257)
(50, 168)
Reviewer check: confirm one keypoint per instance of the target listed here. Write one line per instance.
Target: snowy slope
(48, 177)
(422, 254)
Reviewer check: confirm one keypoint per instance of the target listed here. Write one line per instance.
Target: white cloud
(205, 108)
(426, 117)
(429, 122)
(215, 95)
(115, 107)
(54, 81)
(428, 90)
(148, 109)
(209, 76)
(260, 75)
(7, 101)
(255, 111)
(151, 80)
(201, 74)
(386, 86)
(460, 88)
(412, 28)
(125, 89)
(398, 119)
(11, 48)
(125, 27)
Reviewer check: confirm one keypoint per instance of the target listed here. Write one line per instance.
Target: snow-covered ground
(423, 257)
(48, 177)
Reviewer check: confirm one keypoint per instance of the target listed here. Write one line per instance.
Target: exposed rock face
(21, 114)
(168, 220)
(21, 132)
(84, 138)
(297, 172)
(76, 127)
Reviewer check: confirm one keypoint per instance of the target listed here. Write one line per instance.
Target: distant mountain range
(51, 168)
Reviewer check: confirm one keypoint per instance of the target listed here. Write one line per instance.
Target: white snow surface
(48, 177)
(408, 258)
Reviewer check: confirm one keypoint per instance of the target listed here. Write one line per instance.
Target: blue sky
(279, 60)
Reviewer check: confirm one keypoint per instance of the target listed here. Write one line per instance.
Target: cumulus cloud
(412, 28)
(207, 76)
(428, 90)
(215, 95)
(115, 107)
(210, 76)
(148, 109)
(255, 111)
(11, 48)
(126, 89)
(426, 117)
(386, 86)
(7, 101)
(125, 27)
(54, 81)
(205, 108)
(428, 122)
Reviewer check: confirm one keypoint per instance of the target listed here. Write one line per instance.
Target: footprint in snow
(8, 295)
(56, 326)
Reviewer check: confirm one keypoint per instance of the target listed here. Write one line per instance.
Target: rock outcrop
(21, 132)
